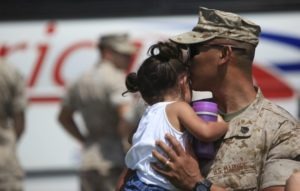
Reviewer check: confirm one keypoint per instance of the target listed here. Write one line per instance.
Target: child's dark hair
(158, 73)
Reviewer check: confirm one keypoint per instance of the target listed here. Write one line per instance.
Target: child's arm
(202, 130)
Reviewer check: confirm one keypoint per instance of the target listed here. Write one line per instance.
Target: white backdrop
(51, 54)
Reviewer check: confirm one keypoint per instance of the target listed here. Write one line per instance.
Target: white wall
(65, 49)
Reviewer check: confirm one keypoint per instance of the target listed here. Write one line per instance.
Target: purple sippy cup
(208, 111)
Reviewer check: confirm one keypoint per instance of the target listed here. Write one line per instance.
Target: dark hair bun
(132, 82)
(165, 51)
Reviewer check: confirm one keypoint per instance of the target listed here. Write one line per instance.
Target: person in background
(97, 96)
(12, 124)
(293, 182)
(261, 148)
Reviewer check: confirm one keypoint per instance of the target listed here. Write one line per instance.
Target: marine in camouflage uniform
(97, 95)
(12, 108)
(262, 146)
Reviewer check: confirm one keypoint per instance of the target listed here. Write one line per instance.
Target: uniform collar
(244, 122)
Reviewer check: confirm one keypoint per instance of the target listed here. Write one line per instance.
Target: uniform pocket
(237, 181)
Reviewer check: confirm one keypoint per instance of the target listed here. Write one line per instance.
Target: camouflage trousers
(92, 180)
(11, 183)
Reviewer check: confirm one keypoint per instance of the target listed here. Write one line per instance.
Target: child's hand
(220, 119)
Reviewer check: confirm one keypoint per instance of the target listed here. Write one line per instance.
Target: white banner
(51, 54)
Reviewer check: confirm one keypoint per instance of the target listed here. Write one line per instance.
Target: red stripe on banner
(58, 78)
(271, 85)
(44, 99)
(134, 57)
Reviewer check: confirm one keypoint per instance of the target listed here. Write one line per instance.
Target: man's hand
(182, 169)
(293, 182)
(65, 117)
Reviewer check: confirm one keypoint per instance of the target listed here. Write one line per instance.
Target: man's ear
(225, 54)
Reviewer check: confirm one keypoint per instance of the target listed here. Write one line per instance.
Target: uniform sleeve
(70, 98)
(19, 100)
(284, 155)
(116, 89)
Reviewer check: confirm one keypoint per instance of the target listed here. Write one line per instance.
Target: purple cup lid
(205, 106)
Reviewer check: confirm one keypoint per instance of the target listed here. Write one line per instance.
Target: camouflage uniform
(261, 148)
(12, 99)
(96, 95)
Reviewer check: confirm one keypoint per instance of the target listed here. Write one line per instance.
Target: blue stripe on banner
(292, 41)
(288, 67)
(288, 40)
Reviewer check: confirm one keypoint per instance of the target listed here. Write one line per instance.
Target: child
(163, 83)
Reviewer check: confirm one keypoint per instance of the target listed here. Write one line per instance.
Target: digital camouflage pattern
(260, 149)
(12, 99)
(118, 42)
(96, 95)
(215, 23)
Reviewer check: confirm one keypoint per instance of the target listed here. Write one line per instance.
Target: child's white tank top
(153, 126)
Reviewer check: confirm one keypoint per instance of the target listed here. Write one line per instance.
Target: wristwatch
(203, 185)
